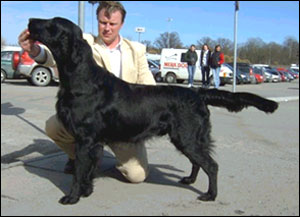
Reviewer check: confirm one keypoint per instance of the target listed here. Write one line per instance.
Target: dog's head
(58, 34)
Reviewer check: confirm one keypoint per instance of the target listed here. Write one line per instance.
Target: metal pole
(235, 45)
(81, 15)
(169, 20)
(93, 19)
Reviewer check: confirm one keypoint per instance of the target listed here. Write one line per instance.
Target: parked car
(283, 78)
(7, 70)
(239, 77)
(294, 73)
(288, 76)
(154, 67)
(246, 72)
(268, 76)
(284, 74)
(275, 76)
(295, 68)
(35, 73)
(258, 72)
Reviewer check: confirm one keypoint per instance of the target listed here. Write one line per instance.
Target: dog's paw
(187, 181)
(207, 197)
(68, 200)
(87, 191)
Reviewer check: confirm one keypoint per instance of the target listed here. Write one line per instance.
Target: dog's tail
(235, 102)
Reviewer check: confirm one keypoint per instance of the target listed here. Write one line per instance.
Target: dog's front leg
(73, 197)
(82, 181)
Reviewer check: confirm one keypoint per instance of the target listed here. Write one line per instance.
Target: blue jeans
(205, 76)
(216, 75)
(191, 70)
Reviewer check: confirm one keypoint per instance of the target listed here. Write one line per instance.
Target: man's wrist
(35, 51)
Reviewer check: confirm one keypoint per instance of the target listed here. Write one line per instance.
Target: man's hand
(28, 44)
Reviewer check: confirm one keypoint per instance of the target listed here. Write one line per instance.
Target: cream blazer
(134, 62)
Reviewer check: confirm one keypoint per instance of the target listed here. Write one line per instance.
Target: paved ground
(258, 158)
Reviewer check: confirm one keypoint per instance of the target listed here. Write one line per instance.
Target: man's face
(109, 27)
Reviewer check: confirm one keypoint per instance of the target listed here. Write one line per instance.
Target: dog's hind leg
(200, 158)
(192, 178)
(210, 167)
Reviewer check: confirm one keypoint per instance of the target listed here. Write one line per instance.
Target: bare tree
(206, 40)
(148, 44)
(290, 50)
(226, 45)
(163, 42)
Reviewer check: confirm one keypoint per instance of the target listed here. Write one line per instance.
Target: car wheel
(41, 77)
(171, 78)
(158, 77)
(3, 76)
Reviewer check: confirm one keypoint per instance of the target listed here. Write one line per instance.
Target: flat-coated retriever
(98, 108)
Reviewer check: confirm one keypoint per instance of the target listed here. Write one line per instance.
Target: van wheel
(40, 77)
(170, 78)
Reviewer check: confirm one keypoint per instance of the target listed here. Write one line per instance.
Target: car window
(6, 56)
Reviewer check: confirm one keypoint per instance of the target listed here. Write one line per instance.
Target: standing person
(204, 64)
(123, 58)
(191, 58)
(217, 59)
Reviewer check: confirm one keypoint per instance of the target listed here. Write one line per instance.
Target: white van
(174, 69)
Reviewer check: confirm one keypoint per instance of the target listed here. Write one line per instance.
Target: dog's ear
(78, 31)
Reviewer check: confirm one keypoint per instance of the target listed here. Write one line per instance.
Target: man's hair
(111, 7)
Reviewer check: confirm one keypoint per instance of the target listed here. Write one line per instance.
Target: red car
(35, 73)
(258, 75)
(282, 72)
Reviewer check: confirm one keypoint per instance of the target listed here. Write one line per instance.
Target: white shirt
(205, 57)
(115, 57)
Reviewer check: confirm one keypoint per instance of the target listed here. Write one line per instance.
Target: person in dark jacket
(191, 58)
(217, 59)
(204, 64)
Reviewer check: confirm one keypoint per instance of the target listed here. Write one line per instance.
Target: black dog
(96, 107)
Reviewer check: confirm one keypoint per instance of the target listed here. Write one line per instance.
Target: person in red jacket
(217, 59)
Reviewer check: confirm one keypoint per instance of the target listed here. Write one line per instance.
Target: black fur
(96, 107)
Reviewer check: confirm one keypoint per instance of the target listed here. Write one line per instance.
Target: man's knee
(51, 127)
(135, 174)
(55, 130)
